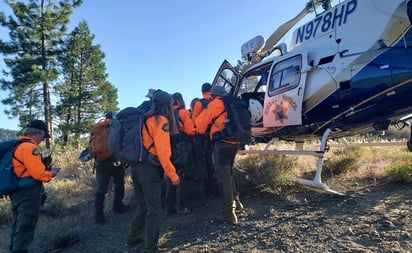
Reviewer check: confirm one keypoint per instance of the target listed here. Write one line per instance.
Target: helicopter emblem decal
(281, 106)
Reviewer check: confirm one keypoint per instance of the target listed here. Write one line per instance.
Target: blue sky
(170, 45)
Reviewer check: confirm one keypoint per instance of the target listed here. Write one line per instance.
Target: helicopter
(346, 71)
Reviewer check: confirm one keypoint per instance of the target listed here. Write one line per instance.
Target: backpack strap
(147, 130)
(15, 147)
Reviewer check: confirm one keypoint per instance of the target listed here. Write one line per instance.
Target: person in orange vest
(223, 152)
(106, 169)
(148, 175)
(201, 103)
(181, 147)
(202, 150)
(27, 199)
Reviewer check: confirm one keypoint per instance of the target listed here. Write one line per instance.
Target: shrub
(402, 171)
(341, 161)
(268, 174)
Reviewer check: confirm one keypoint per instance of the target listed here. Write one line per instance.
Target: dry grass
(72, 190)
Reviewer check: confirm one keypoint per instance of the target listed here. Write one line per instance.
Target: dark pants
(175, 194)
(223, 159)
(147, 182)
(104, 171)
(25, 206)
(204, 164)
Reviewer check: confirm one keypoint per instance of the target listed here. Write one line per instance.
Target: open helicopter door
(227, 77)
(286, 87)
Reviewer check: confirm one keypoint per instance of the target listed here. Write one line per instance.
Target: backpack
(237, 123)
(99, 133)
(125, 136)
(9, 181)
(180, 143)
(204, 102)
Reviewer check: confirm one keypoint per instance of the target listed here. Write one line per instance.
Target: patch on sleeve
(166, 127)
(36, 151)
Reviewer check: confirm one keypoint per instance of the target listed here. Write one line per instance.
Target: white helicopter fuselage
(348, 69)
(355, 32)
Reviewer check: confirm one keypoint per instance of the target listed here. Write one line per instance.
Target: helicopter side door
(285, 91)
(227, 77)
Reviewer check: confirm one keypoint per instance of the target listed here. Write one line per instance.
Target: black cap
(40, 125)
(206, 87)
(218, 91)
(161, 97)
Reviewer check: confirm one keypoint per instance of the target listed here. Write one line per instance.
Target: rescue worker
(175, 195)
(27, 199)
(223, 153)
(198, 105)
(202, 150)
(109, 168)
(147, 176)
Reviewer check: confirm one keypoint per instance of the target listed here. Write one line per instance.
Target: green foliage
(84, 94)
(342, 161)
(269, 174)
(402, 170)
(36, 30)
(7, 134)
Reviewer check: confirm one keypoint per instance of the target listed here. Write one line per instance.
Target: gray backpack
(125, 136)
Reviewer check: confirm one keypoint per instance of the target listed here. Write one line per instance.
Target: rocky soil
(373, 216)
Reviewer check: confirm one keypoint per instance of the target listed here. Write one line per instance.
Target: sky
(175, 45)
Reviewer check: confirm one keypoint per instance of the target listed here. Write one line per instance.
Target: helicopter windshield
(255, 80)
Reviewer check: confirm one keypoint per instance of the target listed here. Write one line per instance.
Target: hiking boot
(227, 217)
(122, 208)
(99, 218)
(183, 212)
(134, 241)
(170, 211)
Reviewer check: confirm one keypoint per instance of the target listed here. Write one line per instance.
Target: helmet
(256, 110)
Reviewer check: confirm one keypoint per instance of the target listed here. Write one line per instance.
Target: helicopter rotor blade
(284, 28)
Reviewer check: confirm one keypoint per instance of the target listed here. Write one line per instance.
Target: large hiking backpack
(99, 133)
(125, 138)
(237, 123)
(180, 143)
(9, 181)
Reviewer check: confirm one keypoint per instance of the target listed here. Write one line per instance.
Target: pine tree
(85, 94)
(36, 31)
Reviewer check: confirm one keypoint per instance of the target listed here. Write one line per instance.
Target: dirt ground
(373, 216)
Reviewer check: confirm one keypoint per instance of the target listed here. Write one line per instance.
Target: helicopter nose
(409, 10)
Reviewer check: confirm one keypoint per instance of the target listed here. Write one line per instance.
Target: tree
(36, 33)
(85, 93)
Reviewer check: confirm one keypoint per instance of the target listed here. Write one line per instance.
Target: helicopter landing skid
(317, 180)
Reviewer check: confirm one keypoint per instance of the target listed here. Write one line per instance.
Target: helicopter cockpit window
(285, 75)
(255, 80)
(227, 79)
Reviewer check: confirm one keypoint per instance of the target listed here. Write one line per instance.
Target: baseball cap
(160, 97)
(40, 125)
